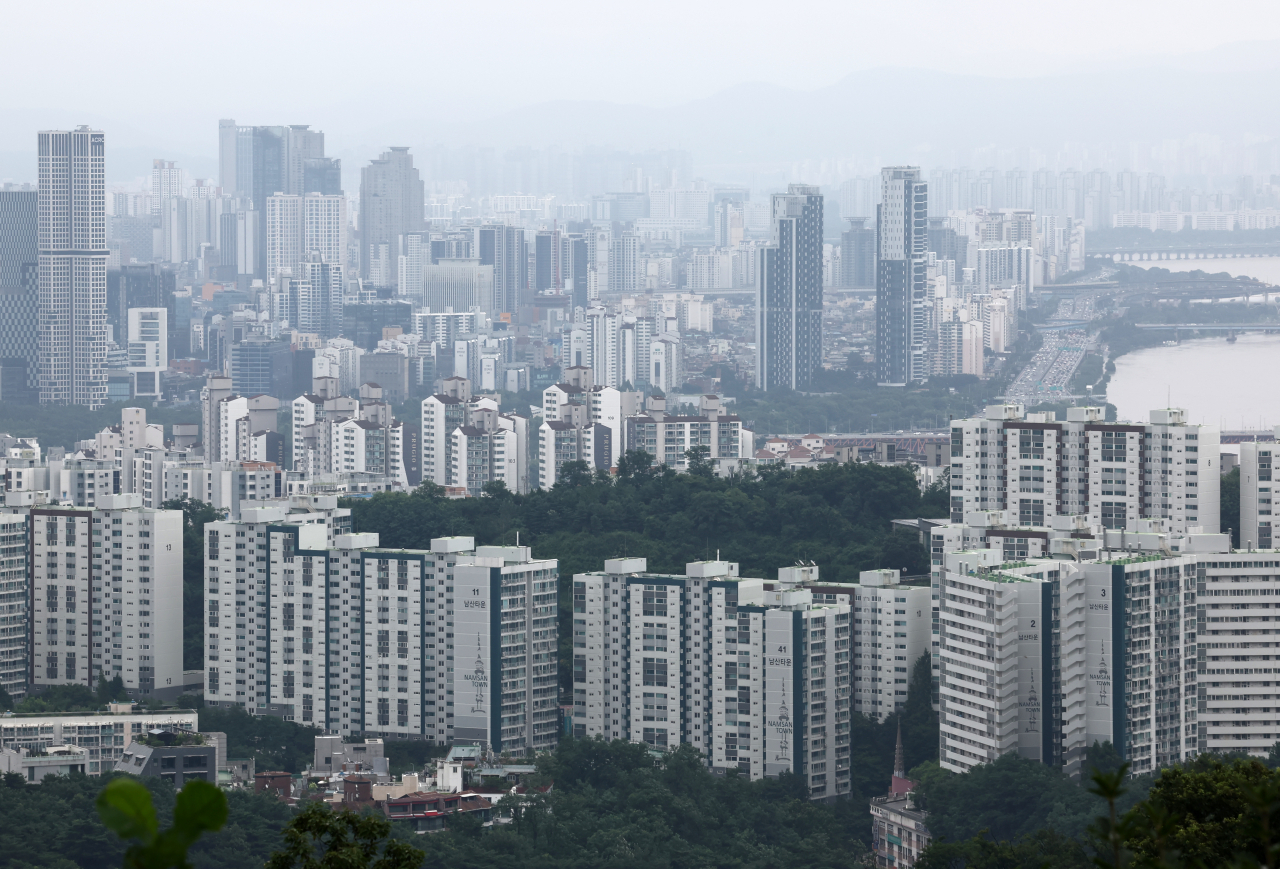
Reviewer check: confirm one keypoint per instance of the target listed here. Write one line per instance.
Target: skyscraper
(902, 239)
(504, 248)
(73, 268)
(19, 291)
(391, 205)
(789, 292)
(257, 162)
(858, 254)
(548, 268)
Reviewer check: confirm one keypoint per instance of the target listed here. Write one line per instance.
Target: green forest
(838, 515)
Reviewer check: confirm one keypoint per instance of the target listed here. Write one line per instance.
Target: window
(1113, 514)
(655, 706)
(656, 737)
(655, 600)
(655, 672)
(1031, 511)
(1113, 446)
(384, 712)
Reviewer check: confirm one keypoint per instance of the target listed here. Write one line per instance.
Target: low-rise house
(35, 763)
(176, 757)
(429, 812)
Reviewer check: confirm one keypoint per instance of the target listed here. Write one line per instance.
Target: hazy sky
(161, 74)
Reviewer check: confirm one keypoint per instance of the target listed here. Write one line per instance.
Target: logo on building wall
(1102, 677)
(479, 679)
(783, 727)
(1032, 705)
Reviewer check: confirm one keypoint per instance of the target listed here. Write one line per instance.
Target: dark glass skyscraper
(504, 248)
(789, 292)
(19, 291)
(902, 240)
(858, 254)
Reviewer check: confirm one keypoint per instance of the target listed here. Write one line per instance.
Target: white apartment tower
(1257, 479)
(1118, 663)
(15, 589)
(73, 268)
(756, 679)
(891, 630)
(1114, 473)
(107, 596)
(358, 639)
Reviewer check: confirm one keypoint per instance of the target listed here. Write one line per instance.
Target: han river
(1219, 383)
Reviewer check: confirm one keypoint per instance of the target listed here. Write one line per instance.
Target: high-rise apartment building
(166, 184)
(668, 437)
(891, 630)
(1048, 657)
(15, 601)
(902, 241)
(391, 206)
(789, 292)
(107, 596)
(148, 340)
(1258, 479)
(1040, 467)
(467, 441)
(357, 639)
(73, 268)
(756, 675)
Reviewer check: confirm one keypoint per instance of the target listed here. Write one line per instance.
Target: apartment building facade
(107, 596)
(757, 680)
(1040, 467)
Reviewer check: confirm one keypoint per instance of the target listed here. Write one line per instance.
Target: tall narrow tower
(391, 206)
(789, 292)
(73, 268)
(902, 239)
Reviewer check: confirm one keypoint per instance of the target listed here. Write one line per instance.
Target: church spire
(899, 760)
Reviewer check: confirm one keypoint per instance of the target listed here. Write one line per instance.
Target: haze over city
(680, 435)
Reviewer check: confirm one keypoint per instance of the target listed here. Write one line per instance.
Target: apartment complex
(1040, 467)
(1088, 634)
(756, 678)
(324, 627)
(467, 441)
